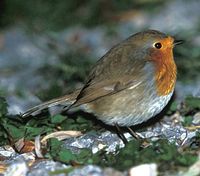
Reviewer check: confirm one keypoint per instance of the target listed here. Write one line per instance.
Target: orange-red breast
(130, 84)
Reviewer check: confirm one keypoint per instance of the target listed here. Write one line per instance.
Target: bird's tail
(66, 101)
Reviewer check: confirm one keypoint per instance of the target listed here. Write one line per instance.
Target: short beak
(178, 42)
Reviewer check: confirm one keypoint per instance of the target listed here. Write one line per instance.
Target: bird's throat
(166, 71)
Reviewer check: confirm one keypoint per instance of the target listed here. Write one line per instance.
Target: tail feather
(66, 100)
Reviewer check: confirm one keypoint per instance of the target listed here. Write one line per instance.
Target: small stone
(144, 170)
(101, 146)
(46, 167)
(196, 119)
(87, 170)
(112, 172)
(18, 168)
(7, 151)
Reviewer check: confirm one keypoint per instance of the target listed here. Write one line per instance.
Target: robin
(130, 84)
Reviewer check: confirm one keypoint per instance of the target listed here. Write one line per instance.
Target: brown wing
(101, 89)
(117, 70)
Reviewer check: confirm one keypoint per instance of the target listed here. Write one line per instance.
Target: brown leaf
(24, 146)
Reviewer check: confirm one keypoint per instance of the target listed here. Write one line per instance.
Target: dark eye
(158, 45)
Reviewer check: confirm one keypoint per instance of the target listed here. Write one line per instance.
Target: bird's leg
(120, 134)
(133, 133)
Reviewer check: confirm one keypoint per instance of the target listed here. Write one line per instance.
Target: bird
(130, 84)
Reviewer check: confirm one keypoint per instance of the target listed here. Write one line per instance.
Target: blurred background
(48, 47)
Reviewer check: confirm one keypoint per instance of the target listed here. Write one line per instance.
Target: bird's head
(156, 48)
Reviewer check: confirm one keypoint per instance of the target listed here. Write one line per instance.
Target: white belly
(154, 107)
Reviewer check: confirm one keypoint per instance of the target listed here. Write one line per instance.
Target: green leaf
(186, 159)
(173, 108)
(187, 121)
(54, 146)
(32, 132)
(58, 152)
(57, 119)
(81, 120)
(15, 132)
(192, 102)
(84, 155)
(66, 156)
